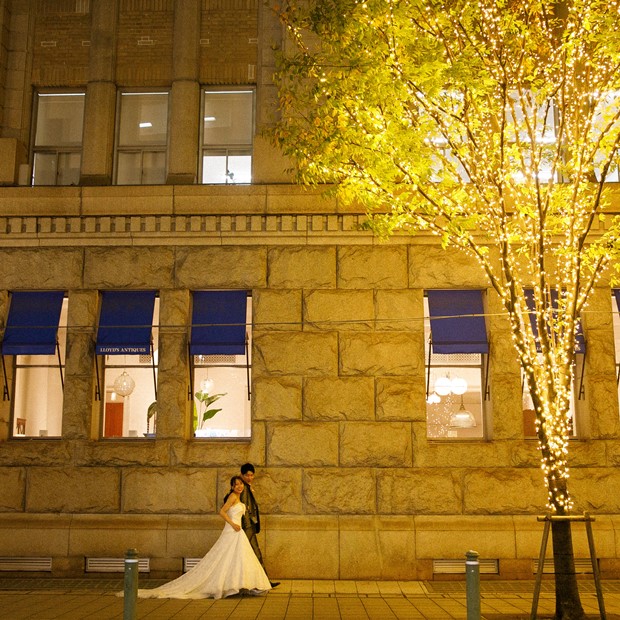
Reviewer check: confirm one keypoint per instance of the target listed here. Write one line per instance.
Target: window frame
(129, 149)
(482, 366)
(226, 149)
(58, 150)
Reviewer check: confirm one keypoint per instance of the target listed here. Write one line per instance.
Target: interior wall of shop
(347, 481)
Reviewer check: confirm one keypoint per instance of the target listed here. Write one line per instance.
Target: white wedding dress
(229, 566)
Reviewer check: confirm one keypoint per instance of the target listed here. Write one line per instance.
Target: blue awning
(218, 323)
(457, 321)
(125, 323)
(580, 343)
(32, 323)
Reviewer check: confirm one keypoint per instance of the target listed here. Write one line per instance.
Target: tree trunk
(567, 601)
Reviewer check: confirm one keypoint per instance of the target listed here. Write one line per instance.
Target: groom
(251, 519)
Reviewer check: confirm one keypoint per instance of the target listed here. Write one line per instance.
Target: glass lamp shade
(206, 386)
(443, 386)
(462, 418)
(124, 384)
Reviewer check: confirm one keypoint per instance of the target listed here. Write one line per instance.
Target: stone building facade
(349, 484)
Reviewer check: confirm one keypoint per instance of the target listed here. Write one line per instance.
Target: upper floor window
(220, 364)
(227, 132)
(456, 349)
(127, 378)
(35, 336)
(57, 150)
(142, 138)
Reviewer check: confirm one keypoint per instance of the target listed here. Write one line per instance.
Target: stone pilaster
(602, 420)
(100, 104)
(172, 421)
(185, 118)
(77, 419)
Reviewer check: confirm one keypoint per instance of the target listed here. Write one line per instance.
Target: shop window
(35, 339)
(577, 394)
(57, 151)
(127, 369)
(220, 364)
(142, 138)
(456, 349)
(227, 134)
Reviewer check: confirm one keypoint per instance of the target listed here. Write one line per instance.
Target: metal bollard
(131, 585)
(472, 574)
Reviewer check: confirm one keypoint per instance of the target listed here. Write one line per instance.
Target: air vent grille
(189, 563)
(455, 567)
(582, 566)
(114, 565)
(26, 564)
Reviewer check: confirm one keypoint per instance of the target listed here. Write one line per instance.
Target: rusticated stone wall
(347, 480)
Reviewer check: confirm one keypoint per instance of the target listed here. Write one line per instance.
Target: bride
(229, 566)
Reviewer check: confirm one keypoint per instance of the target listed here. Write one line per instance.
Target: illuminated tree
(492, 124)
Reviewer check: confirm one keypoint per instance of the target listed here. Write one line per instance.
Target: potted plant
(203, 412)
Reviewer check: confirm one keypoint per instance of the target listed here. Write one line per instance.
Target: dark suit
(251, 520)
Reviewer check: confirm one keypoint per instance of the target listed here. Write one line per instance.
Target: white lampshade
(443, 386)
(124, 384)
(433, 399)
(459, 385)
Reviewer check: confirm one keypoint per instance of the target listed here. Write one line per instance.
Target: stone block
(48, 268)
(138, 268)
(302, 444)
(120, 454)
(335, 398)
(124, 199)
(399, 310)
(603, 419)
(73, 489)
(301, 548)
(504, 491)
(151, 491)
(277, 399)
(218, 453)
(290, 198)
(220, 267)
(190, 536)
(12, 154)
(373, 267)
(401, 399)
(377, 548)
(38, 453)
(419, 491)
(112, 535)
(507, 409)
(595, 490)
(40, 201)
(431, 267)
(277, 310)
(34, 534)
(375, 444)
(449, 537)
(339, 491)
(277, 490)
(461, 453)
(339, 310)
(12, 489)
(379, 354)
(295, 353)
(302, 267)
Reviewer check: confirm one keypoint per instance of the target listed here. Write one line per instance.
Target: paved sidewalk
(73, 599)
